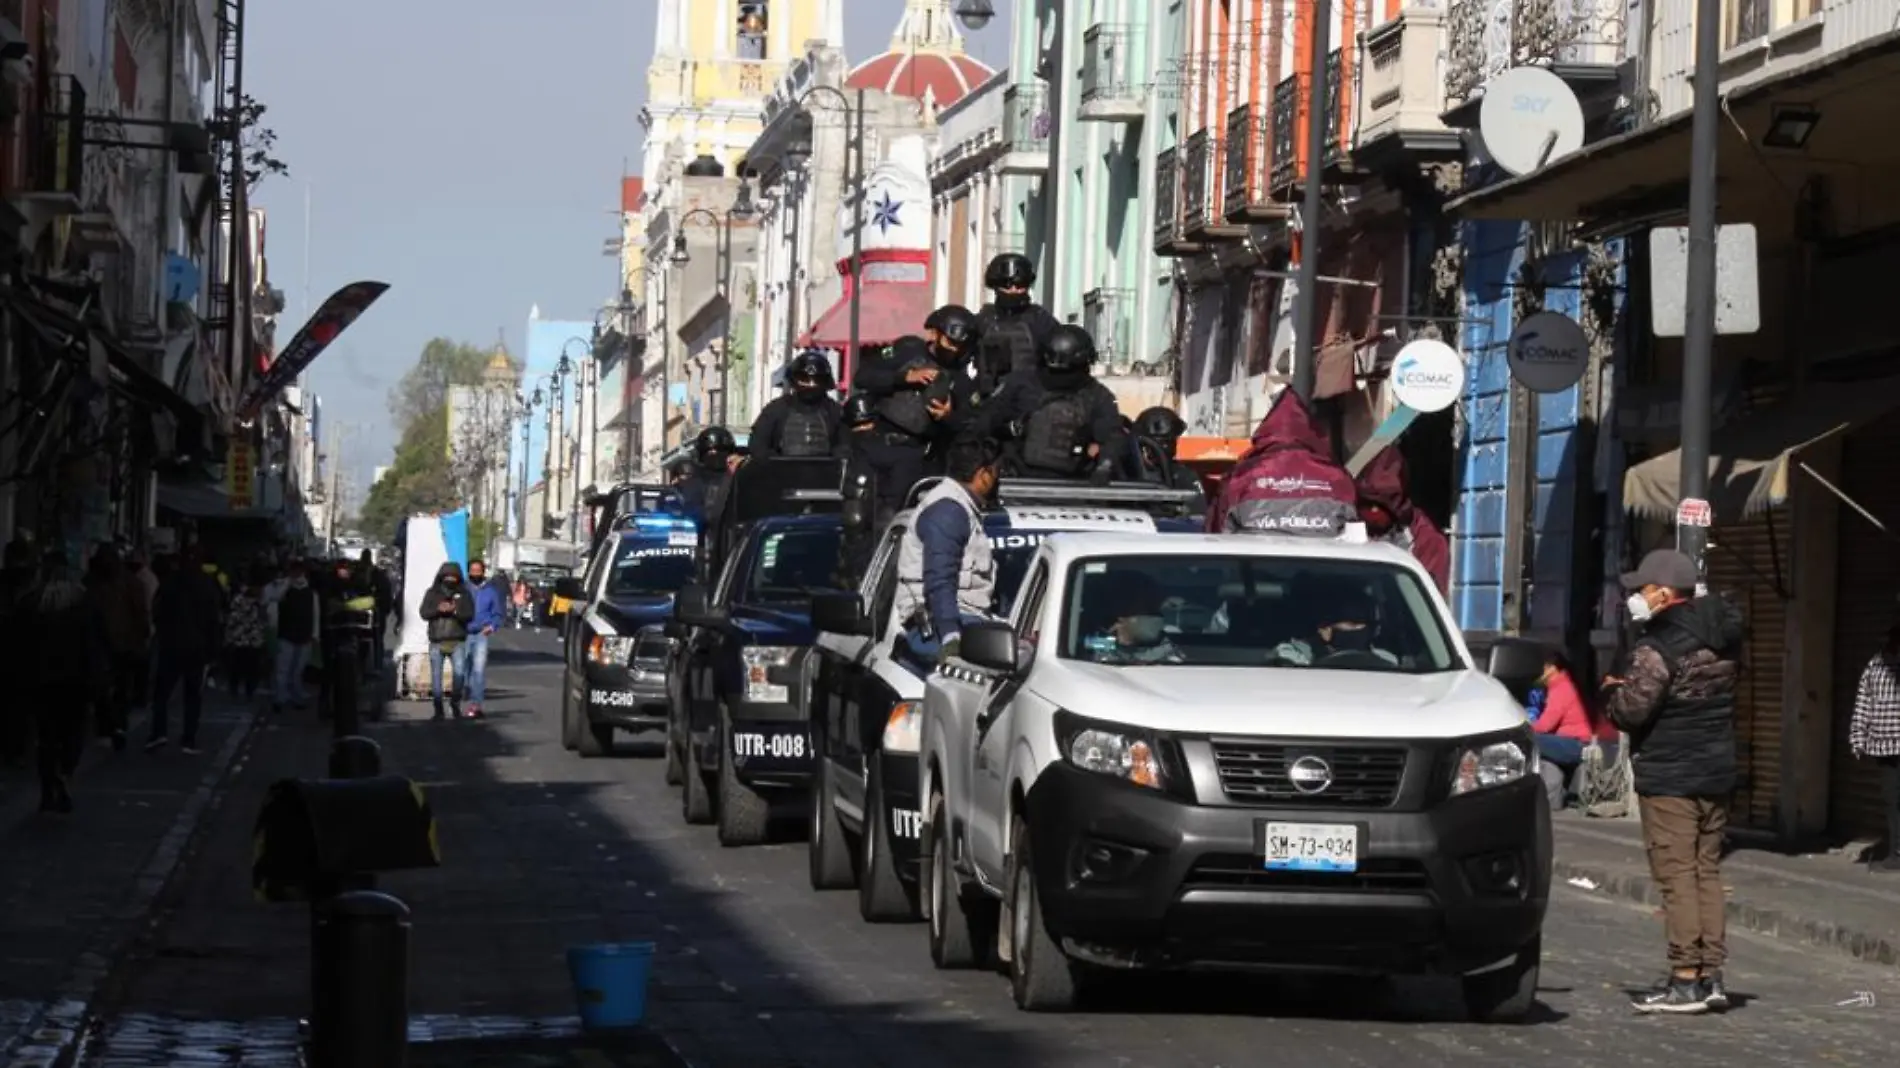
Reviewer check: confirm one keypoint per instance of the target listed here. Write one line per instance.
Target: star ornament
(884, 213)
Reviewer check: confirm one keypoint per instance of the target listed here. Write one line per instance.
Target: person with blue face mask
(1137, 632)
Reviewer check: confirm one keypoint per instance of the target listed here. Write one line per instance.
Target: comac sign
(1548, 352)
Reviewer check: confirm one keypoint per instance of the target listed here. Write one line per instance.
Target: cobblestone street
(543, 851)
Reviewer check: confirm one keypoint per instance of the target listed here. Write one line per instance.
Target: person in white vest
(945, 574)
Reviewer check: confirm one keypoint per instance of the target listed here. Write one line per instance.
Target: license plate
(1323, 847)
(612, 698)
(682, 540)
(751, 745)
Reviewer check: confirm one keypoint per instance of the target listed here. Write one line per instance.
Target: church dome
(926, 60)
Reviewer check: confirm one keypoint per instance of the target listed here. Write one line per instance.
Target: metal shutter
(1748, 564)
(1865, 606)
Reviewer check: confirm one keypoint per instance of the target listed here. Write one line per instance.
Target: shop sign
(240, 474)
(1428, 376)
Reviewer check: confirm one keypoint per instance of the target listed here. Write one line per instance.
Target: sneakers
(158, 742)
(1678, 997)
(474, 710)
(190, 749)
(1714, 994)
(438, 717)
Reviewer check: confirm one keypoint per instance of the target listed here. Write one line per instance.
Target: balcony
(1114, 82)
(1249, 142)
(1170, 240)
(56, 148)
(1027, 126)
(1292, 107)
(1581, 41)
(1106, 315)
(1203, 200)
(1402, 90)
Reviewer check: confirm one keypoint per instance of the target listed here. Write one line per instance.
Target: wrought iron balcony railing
(1115, 80)
(1027, 126)
(1484, 38)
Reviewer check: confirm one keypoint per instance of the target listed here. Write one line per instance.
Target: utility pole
(1698, 342)
(333, 511)
(1312, 205)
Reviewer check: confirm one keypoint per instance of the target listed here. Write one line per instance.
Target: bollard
(361, 1019)
(355, 757)
(342, 668)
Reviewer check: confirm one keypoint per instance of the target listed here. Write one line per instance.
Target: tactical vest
(804, 431)
(1008, 345)
(1688, 747)
(907, 409)
(1055, 436)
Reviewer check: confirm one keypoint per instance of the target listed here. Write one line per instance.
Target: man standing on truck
(945, 572)
(805, 422)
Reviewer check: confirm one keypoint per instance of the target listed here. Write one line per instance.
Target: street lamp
(854, 145)
(974, 14)
(587, 399)
(525, 403)
(723, 253)
(790, 166)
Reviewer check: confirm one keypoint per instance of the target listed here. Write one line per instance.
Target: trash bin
(610, 983)
(312, 833)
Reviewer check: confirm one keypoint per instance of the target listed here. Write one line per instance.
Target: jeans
(475, 658)
(1566, 753)
(1683, 836)
(287, 680)
(919, 652)
(174, 670)
(456, 653)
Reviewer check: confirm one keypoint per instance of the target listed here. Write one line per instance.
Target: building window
(1747, 21)
(753, 24)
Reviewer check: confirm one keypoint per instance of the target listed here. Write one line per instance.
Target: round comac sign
(1428, 376)
(1548, 352)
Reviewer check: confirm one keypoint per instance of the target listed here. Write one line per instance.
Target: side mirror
(694, 607)
(570, 588)
(839, 613)
(990, 645)
(1518, 663)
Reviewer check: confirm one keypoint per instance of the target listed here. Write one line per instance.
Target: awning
(1642, 175)
(61, 330)
(890, 311)
(204, 500)
(1750, 459)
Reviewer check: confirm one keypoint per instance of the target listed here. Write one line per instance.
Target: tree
(424, 390)
(421, 478)
(257, 145)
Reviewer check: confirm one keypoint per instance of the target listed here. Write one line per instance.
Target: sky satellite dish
(1529, 117)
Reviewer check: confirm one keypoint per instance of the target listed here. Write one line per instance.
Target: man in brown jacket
(1676, 701)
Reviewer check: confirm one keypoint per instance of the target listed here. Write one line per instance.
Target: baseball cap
(1667, 568)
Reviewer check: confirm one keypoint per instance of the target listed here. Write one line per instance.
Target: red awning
(890, 310)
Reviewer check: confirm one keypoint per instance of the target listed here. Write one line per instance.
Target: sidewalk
(1819, 899)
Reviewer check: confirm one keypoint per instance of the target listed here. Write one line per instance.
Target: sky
(467, 152)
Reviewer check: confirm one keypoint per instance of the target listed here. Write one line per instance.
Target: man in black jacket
(188, 628)
(1014, 327)
(805, 421)
(299, 622)
(1057, 420)
(448, 608)
(1676, 701)
(910, 393)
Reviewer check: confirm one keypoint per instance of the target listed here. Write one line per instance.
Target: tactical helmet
(859, 408)
(714, 444)
(1011, 270)
(957, 325)
(1160, 424)
(1068, 348)
(810, 364)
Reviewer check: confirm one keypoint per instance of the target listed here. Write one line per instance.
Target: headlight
(1489, 764)
(1127, 753)
(903, 732)
(759, 660)
(610, 651)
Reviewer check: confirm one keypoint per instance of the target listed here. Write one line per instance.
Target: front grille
(1375, 876)
(1259, 773)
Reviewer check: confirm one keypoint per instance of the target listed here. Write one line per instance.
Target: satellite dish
(1529, 117)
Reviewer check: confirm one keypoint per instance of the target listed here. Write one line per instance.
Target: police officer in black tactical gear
(805, 421)
(1013, 326)
(953, 343)
(912, 395)
(1156, 433)
(1058, 422)
(703, 489)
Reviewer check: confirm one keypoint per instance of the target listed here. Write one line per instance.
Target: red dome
(946, 77)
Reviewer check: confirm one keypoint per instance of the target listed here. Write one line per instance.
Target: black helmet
(1160, 424)
(1011, 270)
(957, 325)
(1068, 348)
(810, 364)
(859, 408)
(713, 445)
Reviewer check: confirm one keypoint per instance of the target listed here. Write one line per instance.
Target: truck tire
(696, 802)
(827, 850)
(743, 815)
(882, 896)
(1507, 994)
(674, 775)
(962, 926)
(596, 740)
(1041, 976)
(570, 728)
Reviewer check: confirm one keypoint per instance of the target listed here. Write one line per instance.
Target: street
(543, 850)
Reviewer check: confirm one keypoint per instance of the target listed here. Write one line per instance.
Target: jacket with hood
(449, 588)
(1677, 700)
(1289, 472)
(1383, 483)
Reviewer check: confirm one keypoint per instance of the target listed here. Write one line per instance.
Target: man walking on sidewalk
(449, 610)
(489, 617)
(298, 614)
(188, 616)
(1676, 702)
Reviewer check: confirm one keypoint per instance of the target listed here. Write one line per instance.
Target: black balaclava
(1012, 302)
(1062, 381)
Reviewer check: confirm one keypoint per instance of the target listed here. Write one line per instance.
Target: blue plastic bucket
(610, 983)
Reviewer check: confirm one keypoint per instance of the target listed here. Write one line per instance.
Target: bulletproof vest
(804, 431)
(1055, 436)
(908, 408)
(1008, 345)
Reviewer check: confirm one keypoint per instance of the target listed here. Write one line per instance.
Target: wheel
(596, 740)
(695, 793)
(959, 935)
(1041, 977)
(570, 723)
(1505, 995)
(882, 896)
(743, 814)
(827, 850)
(674, 773)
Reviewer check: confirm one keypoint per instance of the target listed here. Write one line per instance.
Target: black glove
(1014, 429)
(1103, 474)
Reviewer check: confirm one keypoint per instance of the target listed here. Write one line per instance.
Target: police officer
(911, 394)
(1013, 326)
(1058, 421)
(954, 339)
(1157, 434)
(703, 485)
(805, 421)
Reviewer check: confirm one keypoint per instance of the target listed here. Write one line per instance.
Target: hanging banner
(240, 473)
(336, 314)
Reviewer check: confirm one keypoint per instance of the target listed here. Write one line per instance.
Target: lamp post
(586, 411)
(557, 434)
(854, 145)
(1312, 204)
(790, 169)
(741, 209)
(525, 404)
(606, 344)
(974, 14)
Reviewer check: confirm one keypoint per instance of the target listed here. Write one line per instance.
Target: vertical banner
(336, 314)
(240, 473)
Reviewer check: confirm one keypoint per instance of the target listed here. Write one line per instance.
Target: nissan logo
(1310, 775)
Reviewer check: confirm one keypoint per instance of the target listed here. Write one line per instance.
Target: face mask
(1012, 300)
(1638, 605)
(1355, 639)
(300, 583)
(478, 579)
(1142, 630)
(949, 357)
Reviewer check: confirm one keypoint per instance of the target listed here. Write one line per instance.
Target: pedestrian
(118, 600)
(523, 609)
(65, 644)
(17, 575)
(385, 595)
(448, 609)
(1676, 701)
(1874, 734)
(188, 617)
(244, 631)
(139, 566)
(489, 617)
(298, 619)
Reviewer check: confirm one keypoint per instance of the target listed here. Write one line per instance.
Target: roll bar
(1146, 496)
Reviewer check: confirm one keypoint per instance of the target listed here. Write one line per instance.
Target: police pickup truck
(1232, 751)
(614, 675)
(866, 698)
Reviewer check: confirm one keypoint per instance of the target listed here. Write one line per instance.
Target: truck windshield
(793, 564)
(1234, 611)
(642, 569)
